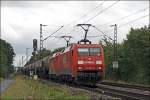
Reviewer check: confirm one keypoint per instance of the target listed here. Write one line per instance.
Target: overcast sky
(20, 20)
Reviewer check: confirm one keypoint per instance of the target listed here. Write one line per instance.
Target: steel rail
(140, 87)
(125, 93)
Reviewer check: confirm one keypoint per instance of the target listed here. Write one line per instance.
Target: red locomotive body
(79, 62)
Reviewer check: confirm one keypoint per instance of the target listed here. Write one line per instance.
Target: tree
(136, 55)
(6, 58)
(39, 54)
(133, 57)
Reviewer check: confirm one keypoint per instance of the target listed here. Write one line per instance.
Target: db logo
(89, 58)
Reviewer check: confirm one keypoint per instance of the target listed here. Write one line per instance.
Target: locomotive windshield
(83, 51)
(94, 51)
(89, 51)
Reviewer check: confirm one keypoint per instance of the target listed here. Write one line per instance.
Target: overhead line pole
(22, 61)
(115, 42)
(115, 62)
(41, 40)
(27, 54)
(41, 37)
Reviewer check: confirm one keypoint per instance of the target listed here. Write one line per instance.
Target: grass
(28, 89)
(1, 79)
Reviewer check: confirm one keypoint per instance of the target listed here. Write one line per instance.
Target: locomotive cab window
(89, 51)
(83, 51)
(94, 51)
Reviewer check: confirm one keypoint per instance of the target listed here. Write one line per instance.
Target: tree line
(6, 58)
(133, 58)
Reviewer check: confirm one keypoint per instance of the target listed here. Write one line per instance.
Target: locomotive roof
(70, 47)
(87, 45)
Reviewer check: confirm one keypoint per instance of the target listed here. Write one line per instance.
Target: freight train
(82, 63)
(79, 63)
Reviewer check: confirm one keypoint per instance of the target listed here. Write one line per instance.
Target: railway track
(140, 87)
(121, 92)
(125, 91)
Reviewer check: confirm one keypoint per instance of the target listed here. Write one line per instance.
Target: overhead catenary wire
(133, 21)
(94, 36)
(93, 10)
(53, 33)
(122, 18)
(74, 28)
(103, 33)
(69, 33)
(141, 10)
(102, 11)
(119, 26)
(90, 11)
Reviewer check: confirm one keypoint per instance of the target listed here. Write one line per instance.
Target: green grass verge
(27, 89)
(1, 79)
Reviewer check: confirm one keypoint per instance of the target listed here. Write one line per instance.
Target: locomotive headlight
(98, 67)
(98, 62)
(80, 62)
(79, 67)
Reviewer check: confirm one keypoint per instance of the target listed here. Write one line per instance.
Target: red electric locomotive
(79, 62)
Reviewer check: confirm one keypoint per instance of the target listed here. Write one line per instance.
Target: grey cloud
(23, 4)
